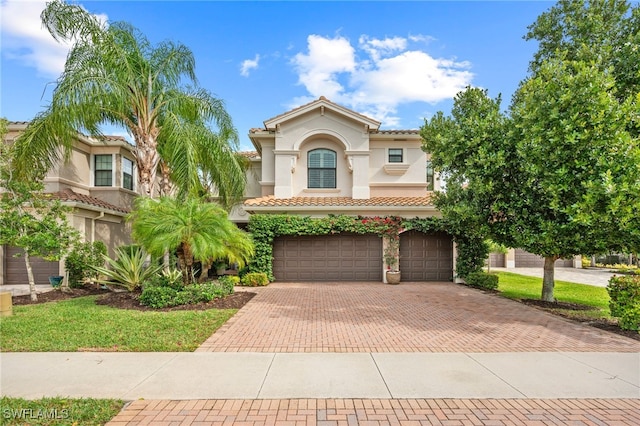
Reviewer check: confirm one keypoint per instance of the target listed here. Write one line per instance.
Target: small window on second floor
(103, 170)
(127, 173)
(321, 168)
(395, 155)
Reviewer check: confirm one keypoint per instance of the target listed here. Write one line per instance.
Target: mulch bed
(602, 323)
(126, 300)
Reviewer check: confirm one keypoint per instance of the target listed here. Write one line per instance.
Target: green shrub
(161, 294)
(255, 279)
(171, 278)
(625, 301)
(129, 270)
(229, 280)
(81, 260)
(482, 280)
(158, 296)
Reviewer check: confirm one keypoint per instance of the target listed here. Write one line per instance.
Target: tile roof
(249, 154)
(271, 201)
(69, 194)
(399, 132)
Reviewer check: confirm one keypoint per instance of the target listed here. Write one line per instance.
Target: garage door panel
(343, 257)
(524, 259)
(16, 270)
(426, 257)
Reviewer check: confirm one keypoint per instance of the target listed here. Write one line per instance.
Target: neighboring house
(518, 258)
(98, 183)
(321, 159)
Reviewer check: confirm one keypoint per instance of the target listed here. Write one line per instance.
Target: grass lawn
(515, 286)
(55, 411)
(79, 324)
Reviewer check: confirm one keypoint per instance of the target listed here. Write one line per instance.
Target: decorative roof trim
(321, 102)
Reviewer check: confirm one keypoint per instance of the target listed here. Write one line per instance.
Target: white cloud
(380, 75)
(248, 65)
(25, 39)
(319, 68)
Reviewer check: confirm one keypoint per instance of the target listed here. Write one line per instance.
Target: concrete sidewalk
(182, 376)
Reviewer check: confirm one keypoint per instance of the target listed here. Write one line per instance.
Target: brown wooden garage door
(16, 271)
(426, 257)
(343, 257)
(524, 259)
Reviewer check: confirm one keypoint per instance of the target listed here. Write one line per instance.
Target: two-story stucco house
(98, 183)
(321, 159)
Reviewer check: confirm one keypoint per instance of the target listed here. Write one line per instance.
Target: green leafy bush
(158, 296)
(129, 270)
(482, 280)
(255, 279)
(82, 259)
(229, 280)
(625, 301)
(160, 293)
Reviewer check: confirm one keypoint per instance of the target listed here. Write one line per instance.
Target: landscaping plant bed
(127, 300)
(558, 308)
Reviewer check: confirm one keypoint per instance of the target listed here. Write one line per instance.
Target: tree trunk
(548, 280)
(65, 283)
(32, 281)
(147, 159)
(593, 261)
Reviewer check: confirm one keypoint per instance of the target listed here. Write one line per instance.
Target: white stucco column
(284, 175)
(510, 258)
(360, 189)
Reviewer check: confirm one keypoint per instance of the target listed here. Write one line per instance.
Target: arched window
(321, 168)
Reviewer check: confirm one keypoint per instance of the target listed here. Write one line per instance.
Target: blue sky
(397, 62)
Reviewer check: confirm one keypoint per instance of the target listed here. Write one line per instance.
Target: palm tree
(196, 230)
(113, 75)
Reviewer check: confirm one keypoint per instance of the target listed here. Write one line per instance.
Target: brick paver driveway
(410, 317)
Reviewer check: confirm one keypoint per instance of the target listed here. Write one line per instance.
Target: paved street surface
(595, 277)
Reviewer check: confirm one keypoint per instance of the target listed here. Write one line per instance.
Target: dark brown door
(343, 257)
(426, 257)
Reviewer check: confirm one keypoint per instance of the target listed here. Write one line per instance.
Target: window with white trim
(103, 170)
(127, 173)
(321, 168)
(395, 155)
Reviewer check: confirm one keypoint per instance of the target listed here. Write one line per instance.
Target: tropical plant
(130, 269)
(197, 230)
(113, 75)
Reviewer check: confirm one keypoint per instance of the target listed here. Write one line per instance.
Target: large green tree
(606, 31)
(196, 230)
(113, 75)
(559, 174)
(579, 163)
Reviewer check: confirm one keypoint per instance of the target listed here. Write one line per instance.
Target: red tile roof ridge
(69, 194)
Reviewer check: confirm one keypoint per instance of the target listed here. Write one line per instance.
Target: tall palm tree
(196, 230)
(113, 75)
